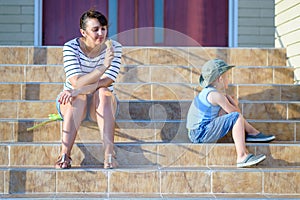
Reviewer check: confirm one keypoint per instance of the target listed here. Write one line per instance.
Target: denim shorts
(89, 100)
(212, 131)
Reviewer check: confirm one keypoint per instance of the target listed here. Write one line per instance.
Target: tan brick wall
(256, 23)
(17, 22)
(287, 34)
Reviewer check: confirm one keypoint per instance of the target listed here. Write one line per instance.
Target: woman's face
(95, 33)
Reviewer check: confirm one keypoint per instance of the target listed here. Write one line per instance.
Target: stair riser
(155, 55)
(152, 74)
(174, 110)
(154, 91)
(151, 182)
(132, 131)
(158, 155)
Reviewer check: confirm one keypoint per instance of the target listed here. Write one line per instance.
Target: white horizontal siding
(256, 25)
(287, 22)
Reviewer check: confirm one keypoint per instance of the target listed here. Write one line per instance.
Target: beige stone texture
(294, 111)
(277, 57)
(41, 91)
(54, 55)
(297, 132)
(265, 111)
(248, 57)
(221, 155)
(170, 74)
(171, 132)
(283, 76)
(280, 156)
(48, 133)
(177, 155)
(44, 73)
(262, 93)
(282, 182)
(36, 109)
(242, 75)
(199, 56)
(284, 131)
(4, 151)
(15, 55)
(8, 110)
(173, 182)
(10, 92)
(168, 56)
(12, 73)
(3, 181)
(134, 74)
(137, 155)
(81, 181)
(135, 131)
(290, 93)
(33, 155)
(30, 181)
(172, 92)
(135, 56)
(139, 91)
(241, 181)
(146, 182)
(6, 131)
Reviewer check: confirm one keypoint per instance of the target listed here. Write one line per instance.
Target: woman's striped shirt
(77, 63)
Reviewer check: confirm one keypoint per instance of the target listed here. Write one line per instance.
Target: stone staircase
(155, 88)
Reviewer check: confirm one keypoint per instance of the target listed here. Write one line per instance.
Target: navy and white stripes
(77, 63)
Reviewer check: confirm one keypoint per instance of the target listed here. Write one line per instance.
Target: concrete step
(184, 56)
(141, 155)
(155, 110)
(152, 182)
(13, 130)
(153, 91)
(151, 74)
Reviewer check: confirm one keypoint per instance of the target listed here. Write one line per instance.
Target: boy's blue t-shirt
(201, 110)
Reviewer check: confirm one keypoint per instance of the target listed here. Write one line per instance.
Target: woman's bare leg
(103, 101)
(73, 115)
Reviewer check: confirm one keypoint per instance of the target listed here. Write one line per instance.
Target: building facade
(255, 23)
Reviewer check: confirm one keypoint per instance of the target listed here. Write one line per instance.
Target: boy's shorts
(209, 132)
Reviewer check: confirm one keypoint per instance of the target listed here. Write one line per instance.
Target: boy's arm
(217, 98)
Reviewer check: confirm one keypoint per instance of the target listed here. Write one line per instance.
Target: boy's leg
(238, 134)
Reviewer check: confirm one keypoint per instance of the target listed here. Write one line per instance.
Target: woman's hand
(65, 97)
(109, 55)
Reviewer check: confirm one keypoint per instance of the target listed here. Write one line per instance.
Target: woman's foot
(110, 161)
(63, 162)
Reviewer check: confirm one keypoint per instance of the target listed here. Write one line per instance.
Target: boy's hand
(232, 100)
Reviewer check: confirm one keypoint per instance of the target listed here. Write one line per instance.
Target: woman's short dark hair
(92, 14)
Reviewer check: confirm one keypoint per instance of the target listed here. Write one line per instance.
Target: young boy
(213, 114)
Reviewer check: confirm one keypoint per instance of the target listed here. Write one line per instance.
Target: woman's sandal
(110, 161)
(63, 162)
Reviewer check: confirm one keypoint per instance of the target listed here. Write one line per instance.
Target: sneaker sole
(260, 139)
(254, 162)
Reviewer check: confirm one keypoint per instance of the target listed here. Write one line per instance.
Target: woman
(91, 63)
